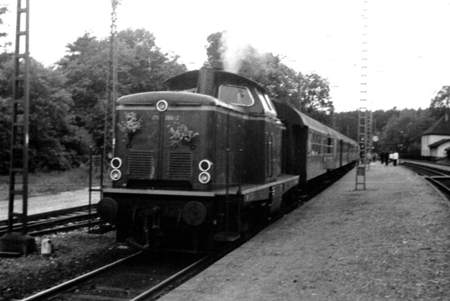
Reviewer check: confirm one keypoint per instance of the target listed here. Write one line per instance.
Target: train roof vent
(181, 165)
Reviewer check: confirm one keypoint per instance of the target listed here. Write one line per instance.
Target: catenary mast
(111, 93)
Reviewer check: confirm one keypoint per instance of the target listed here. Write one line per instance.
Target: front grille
(180, 165)
(141, 165)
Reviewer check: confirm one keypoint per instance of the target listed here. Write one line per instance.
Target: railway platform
(44, 203)
(388, 242)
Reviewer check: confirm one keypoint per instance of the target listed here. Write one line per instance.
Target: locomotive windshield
(235, 95)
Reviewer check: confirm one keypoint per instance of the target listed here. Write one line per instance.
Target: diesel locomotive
(209, 159)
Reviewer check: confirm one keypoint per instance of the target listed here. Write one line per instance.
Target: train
(210, 159)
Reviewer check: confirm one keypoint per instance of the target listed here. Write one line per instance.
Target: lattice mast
(364, 114)
(111, 93)
(18, 172)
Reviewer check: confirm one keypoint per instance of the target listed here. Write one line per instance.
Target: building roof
(437, 143)
(440, 127)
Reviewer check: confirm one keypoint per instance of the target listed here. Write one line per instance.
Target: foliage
(403, 132)
(3, 10)
(55, 142)
(67, 103)
(141, 67)
(440, 104)
(315, 97)
(442, 99)
(181, 135)
(346, 123)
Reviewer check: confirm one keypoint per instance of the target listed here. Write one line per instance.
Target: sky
(405, 63)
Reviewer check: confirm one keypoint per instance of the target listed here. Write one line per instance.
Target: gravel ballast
(73, 254)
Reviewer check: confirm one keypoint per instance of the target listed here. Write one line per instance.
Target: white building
(436, 140)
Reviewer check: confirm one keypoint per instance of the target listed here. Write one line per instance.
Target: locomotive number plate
(172, 117)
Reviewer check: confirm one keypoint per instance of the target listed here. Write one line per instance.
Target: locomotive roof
(190, 79)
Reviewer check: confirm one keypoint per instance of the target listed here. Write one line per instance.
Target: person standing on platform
(391, 157)
(395, 158)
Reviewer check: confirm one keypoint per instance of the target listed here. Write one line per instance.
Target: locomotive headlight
(205, 165)
(116, 163)
(115, 174)
(204, 177)
(162, 105)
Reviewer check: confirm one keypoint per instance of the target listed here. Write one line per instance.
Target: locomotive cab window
(236, 95)
(266, 102)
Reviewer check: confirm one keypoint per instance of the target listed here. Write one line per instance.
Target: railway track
(148, 275)
(56, 221)
(142, 276)
(436, 176)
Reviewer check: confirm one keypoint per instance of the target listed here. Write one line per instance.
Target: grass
(51, 183)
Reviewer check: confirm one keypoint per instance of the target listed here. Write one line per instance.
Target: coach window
(309, 143)
(236, 95)
(317, 144)
(330, 146)
(323, 144)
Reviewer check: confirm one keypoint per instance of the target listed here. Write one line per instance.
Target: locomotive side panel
(262, 148)
(229, 156)
(255, 150)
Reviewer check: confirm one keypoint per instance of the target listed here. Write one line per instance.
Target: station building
(436, 139)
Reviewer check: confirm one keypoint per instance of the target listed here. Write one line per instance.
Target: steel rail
(192, 269)
(440, 185)
(66, 228)
(71, 283)
(59, 212)
(435, 171)
(50, 225)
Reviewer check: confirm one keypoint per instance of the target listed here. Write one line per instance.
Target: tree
(347, 123)
(141, 65)
(440, 104)
(315, 97)
(403, 132)
(442, 99)
(3, 10)
(55, 142)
